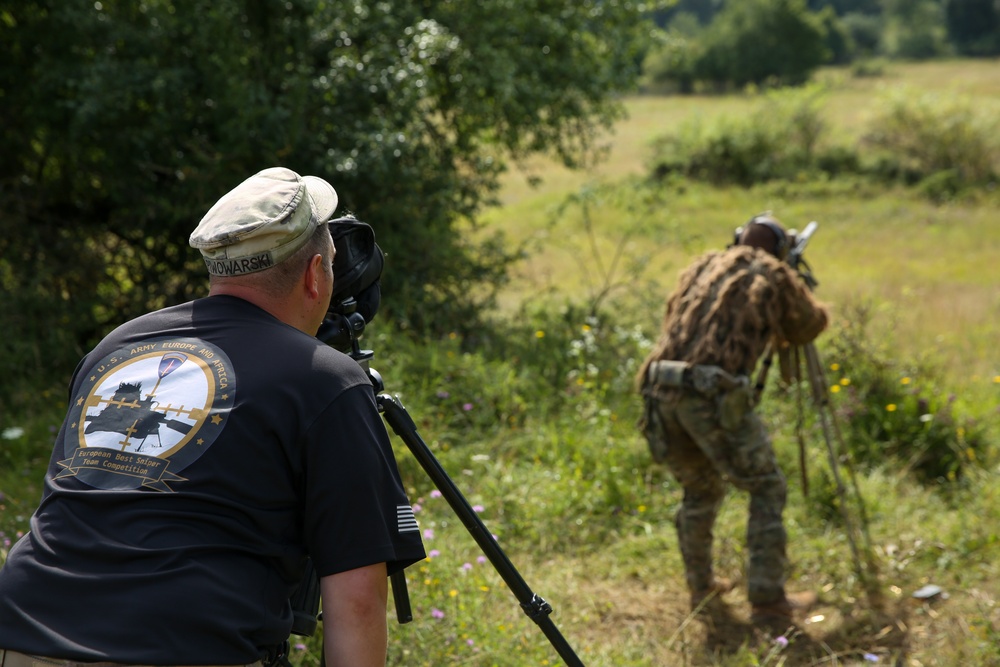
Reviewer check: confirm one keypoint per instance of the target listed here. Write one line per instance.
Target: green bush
(897, 414)
(915, 29)
(944, 148)
(917, 136)
(838, 39)
(670, 64)
(779, 138)
(506, 374)
(864, 30)
(762, 42)
(868, 67)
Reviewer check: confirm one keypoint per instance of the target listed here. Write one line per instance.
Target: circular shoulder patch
(146, 412)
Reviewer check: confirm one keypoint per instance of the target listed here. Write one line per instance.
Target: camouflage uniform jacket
(729, 304)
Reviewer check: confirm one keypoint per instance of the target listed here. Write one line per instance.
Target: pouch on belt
(732, 393)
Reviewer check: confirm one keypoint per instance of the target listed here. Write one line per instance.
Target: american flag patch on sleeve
(405, 521)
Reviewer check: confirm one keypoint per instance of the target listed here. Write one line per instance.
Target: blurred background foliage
(122, 122)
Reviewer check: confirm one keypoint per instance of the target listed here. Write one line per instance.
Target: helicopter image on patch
(139, 417)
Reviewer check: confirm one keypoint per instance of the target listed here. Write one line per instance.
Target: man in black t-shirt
(209, 449)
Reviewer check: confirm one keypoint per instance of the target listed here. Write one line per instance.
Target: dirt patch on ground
(638, 618)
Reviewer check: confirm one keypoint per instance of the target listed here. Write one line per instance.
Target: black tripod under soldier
(728, 309)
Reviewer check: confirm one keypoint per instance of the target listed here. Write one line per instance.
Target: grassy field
(537, 427)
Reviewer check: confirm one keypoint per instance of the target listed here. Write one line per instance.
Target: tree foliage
(122, 121)
(914, 29)
(974, 26)
(760, 41)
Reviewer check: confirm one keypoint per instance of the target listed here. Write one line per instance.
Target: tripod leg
(534, 606)
(401, 597)
(800, 419)
(864, 568)
(765, 367)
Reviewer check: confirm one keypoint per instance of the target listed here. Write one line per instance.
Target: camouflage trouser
(685, 432)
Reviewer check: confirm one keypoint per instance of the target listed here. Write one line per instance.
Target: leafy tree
(842, 7)
(974, 26)
(839, 44)
(865, 32)
(703, 10)
(122, 121)
(914, 29)
(762, 41)
(670, 63)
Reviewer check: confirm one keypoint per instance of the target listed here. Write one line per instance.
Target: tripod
(865, 567)
(537, 609)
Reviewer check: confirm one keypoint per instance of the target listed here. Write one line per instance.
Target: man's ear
(311, 277)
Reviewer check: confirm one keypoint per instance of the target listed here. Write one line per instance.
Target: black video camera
(357, 267)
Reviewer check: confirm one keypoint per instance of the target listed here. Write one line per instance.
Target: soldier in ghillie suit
(728, 308)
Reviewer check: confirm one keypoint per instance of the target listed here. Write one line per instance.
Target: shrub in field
(778, 138)
(763, 42)
(947, 144)
(500, 377)
(897, 414)
(670, 64)
(915, 29)
(944, 147)
(864, 30)
(868, 67)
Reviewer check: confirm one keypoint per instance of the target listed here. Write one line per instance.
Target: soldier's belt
(707, 380)
(15, 659)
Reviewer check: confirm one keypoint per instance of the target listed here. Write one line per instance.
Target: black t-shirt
(207, 450)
